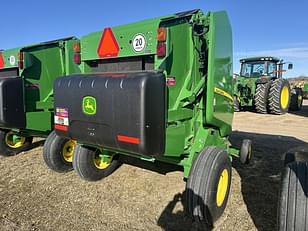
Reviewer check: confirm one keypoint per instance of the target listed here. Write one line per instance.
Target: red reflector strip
(128, 139)
(61, 127)
(1, 61)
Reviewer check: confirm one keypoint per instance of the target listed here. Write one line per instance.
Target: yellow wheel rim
(222, 187)
(102, 163)
(14, 141)
(284, 97)
(68, 150)
(299, 100)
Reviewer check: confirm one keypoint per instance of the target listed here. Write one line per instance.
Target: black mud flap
(119, 111)
(12, 113)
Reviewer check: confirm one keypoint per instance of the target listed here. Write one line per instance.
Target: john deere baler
(159, 91)
(26, 93)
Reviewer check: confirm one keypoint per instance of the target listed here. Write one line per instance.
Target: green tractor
(26, 93)
(260, 85)
(298, 93)
(158, 92)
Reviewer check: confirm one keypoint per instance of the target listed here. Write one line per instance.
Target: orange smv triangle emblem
(1, 60)
(108, 46)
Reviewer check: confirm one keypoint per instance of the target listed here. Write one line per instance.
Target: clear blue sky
(259, 27)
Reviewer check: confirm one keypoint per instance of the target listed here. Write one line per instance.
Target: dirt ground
(35, 198)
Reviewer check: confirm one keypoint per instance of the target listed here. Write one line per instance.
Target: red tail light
(1, 60)
(77, 56)
(21, 60)
(108, 46)
(161, 42)
(161, 50)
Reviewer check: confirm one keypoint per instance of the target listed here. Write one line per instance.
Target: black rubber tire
(236, 104)
(293, 204)
(5, 150)
(83, 164)
(274, 97)
(296, 101)
(289, 158)
(246, 151)
(261, 97)
(202, 185)
(53, 153)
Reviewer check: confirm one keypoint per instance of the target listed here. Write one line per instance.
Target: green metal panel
(219, 94)
(39, 121)
(43, 64)
(124, 35)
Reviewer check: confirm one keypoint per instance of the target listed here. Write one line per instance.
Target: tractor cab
(262, 67)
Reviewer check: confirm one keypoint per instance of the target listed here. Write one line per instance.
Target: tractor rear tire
(296, 100)
(279, 97)
(208, 185)
(11, 147)
(58, 153)
(236, 104)
(86, 165)
(293, 204)
(261, 97)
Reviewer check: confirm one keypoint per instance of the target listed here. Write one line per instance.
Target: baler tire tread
(293, 200)
(202, 182)
(246, 151)
(52, 153)
(84, 166)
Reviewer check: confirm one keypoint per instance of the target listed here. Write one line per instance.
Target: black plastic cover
(130, 110)
(12, 113)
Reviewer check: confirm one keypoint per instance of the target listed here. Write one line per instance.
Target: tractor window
(272, 69)
(253, 69)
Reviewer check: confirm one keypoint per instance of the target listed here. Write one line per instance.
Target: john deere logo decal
(89, 105)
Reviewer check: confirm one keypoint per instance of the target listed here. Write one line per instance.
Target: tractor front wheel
(58, 152)
(293, 204)
(208, 185)
(11, 144)
(93, 164)
(296, 99)
(279, 97)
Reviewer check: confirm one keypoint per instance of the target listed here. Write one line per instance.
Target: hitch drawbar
(120, 111)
